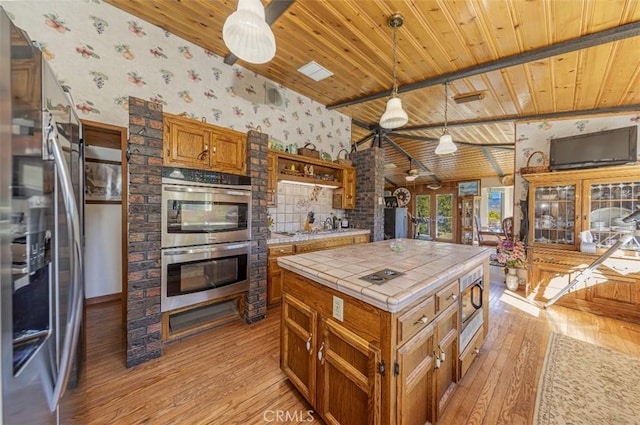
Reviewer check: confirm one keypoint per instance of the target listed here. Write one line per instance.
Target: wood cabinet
(446, 355)
(274, 271)
(470, 209)
(348, 376)
(416, 367)
(613, 290)
(336, 366)
(301, 169)
(192, 144)
(272, 179)
(345, 197)
(371, 366)
(563, 204)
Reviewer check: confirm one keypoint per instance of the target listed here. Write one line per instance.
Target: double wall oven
(206, 236)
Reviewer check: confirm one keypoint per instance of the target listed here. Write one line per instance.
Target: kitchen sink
(381, 276)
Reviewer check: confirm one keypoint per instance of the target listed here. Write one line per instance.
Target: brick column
(369, 213)
(257, 150)
(144, 323)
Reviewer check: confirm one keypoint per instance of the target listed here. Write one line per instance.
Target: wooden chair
(507, 228)
(483, 234)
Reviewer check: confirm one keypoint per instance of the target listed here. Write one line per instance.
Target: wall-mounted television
(609, 147)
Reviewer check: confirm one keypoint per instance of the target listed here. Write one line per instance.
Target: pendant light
(446, 144)
(394, 116)
(247, 34)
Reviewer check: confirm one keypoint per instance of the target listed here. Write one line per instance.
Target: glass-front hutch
(470, 210)
(593, 203)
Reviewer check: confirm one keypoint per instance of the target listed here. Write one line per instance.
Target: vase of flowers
(512, 255)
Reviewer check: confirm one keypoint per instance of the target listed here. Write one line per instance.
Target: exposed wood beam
(271, 13)
(492, 161)
(362, 125)
(534, 117)
(420, 165)
(364, 140)
(505, 146)
(579, 43)
(391, 182)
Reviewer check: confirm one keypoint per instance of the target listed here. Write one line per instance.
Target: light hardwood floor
(231, 375)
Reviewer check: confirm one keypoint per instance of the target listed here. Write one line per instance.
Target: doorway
(105, 149)
(435, 216)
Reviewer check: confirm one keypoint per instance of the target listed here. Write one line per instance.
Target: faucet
(328, 223)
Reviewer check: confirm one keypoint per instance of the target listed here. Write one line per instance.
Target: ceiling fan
(413, 173)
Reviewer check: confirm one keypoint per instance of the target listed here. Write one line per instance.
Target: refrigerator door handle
(74, 316)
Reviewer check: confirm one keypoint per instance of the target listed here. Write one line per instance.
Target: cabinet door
(298, 346)
(274, 282)
(554, 216)
(186, 144)
(348, 378)
(446, 372)
(606, 203)
(349, 189)
(415, 381)
(272, 179)
(228, 151)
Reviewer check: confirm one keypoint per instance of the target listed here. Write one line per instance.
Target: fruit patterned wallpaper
(106, 55)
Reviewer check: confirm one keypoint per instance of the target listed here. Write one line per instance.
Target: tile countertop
(426, 265)
(298, 237)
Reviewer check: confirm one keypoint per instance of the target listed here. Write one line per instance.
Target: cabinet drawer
(447, 296)
(471, 352)
(278, 250)
(323, 244)
(415, 319)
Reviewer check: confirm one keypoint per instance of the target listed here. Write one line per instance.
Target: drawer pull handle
(437, 366)
(320, 354)
(476, 350)
(452, 297)
(309, 343)
(424, 319)
(443, 355)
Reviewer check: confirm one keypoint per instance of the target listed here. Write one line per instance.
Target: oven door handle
(195, 189)
(209, 248)
(477, 305)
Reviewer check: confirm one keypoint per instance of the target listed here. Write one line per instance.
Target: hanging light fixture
(446, 144)
(247, 34)
(394, 116)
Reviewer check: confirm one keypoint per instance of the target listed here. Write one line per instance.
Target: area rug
(585, 384)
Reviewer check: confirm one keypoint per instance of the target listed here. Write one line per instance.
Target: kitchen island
(288, 243)
(372, 335)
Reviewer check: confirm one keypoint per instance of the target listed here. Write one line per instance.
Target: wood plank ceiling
(440, 38)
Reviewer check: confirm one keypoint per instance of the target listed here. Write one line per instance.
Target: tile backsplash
(294, 202)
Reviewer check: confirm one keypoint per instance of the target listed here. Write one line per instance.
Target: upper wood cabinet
(564, 203)
(301, 169)
(561, 206)
(345, 197)
(192, 144)
(272, 179)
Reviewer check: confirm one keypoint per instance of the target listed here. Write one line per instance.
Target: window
(444, 216)
(495, 207)
(423, 215)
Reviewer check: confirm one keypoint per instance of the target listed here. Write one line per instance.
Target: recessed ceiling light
(314, 71)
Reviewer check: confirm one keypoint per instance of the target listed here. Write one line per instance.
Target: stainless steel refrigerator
(41, 246)
(395, 223)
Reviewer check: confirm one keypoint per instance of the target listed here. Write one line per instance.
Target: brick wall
(369, 213)
(144, 322)
(257, 150)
